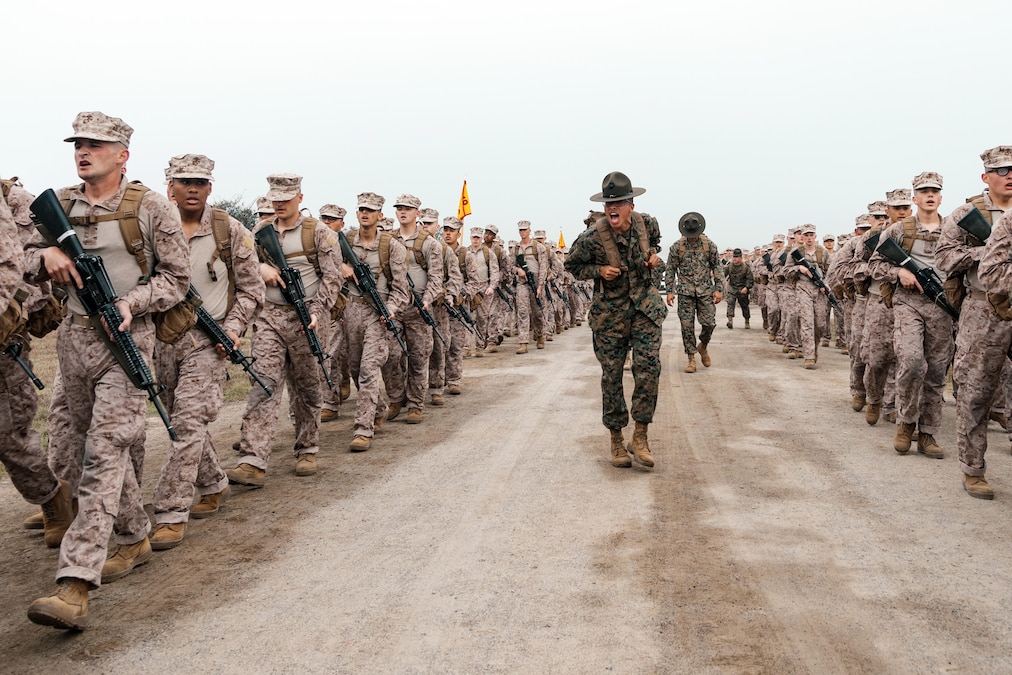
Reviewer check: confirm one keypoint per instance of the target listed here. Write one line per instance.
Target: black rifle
(416, 300)
(512, 303)
(502, 296)
(768, 261)
(458, 314)
(99, 299)
(294, 293)
(975, 224)
(559, 293)
(583, 291)
(522, 264)
(869, 245)
(783, 258)
(799, 258)
(218, 335)
(366, 285)
(926, 276)
(13, 350)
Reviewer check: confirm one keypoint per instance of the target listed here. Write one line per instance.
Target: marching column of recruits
(915, 295)
(188, 280)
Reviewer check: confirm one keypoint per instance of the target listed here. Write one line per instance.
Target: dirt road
(778, 533)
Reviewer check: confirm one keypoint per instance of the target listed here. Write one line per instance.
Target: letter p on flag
(464, 208)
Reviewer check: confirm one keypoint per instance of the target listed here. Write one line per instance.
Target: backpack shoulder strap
(909, 232)
(417, 248)
(977, 201)
(384, 255)
(221, 227)
(608, 241)
(130, 224)
(309, 243)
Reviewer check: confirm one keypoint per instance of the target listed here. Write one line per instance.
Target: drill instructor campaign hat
(616, 187)
(691, 224)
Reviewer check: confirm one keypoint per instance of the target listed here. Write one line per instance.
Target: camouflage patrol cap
(862, 220)
(513, 243)
(477, 232)
(779, 238)
(284, 186)
(928, 179)
(410, 201)
(428, 216)
(453, 222)
(492, 228)
(264, 206)
(371, 201)
(877, 208)
(96, 126)
(523, 225)
(333, 210)
(385, 224)
(807, 228)
(191, 166)
(899, 197)
(828, 237)
(996, 158)
(539, 234)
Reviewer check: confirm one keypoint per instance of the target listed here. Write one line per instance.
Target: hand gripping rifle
(559, 292)
(294, 293)
(817, 279)
(458, 314)
(99, 298)
(926, 276)
(416, 300)
(522, 264)
(214, 331)
(366, 285)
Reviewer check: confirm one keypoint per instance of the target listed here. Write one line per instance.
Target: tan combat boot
(872, 413)
(704, 356)
(999, 418)
(453, 389)
(394, 409)
(522, 349)
(541, 342)
(360, 444)
(328, 415)
(305, 464)
(57, 515)
(66, 607)
(639, 447)
(857, 402)
(209, 504)
(927, 446)
(167, 535)
(690, 367)
(437, 400)
(247, 474)
(976, 486)
(810, 364)
(124, 559)
(619, 457)
(345, 390)
(746, 324)
(414, 416)
(773, 337)
(904, 437)
(36, 521)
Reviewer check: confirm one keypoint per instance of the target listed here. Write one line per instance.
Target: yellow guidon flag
(464, 208)
(562, 242)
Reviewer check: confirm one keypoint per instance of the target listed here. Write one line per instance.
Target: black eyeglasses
(881, 217)
(329, 219)
(1001, 170)
(363, 209)
(201, 182)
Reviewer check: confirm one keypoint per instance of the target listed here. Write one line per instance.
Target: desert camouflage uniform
(809, 299)
(368, 342)
(698, 275)
(626, 313)
(877, 337)
(773, 315)
(739, 277)
(407, 379)
(464, 289)
(279, 343)
(922, 336)
(192, 372)
(442, 355)
(104, 411)
(849, 259)
(983, 340)
(21, 452)
(761, 279)
(530, 317)
(486, 281)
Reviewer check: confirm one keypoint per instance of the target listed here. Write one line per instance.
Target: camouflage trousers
(483, 320)
(773, 308)
(791, 317)
(455, 354)
(548, 312)
(922, 340)
(337, 352)
(854, 342)
(742, 300)
(438, 358)
(879, 356)
(106, 418)
(613, 339)
(21, 453)
(810, 301)
(192, 373)
(278, 344)
(407, 379)
(529, 315)
(689, 308)
(785, 299)
(368, 350)
(982, 345)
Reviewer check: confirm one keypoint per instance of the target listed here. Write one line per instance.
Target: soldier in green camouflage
(694, 261)
(626, 313)
(739, 284)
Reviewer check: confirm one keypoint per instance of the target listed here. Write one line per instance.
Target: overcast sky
(759, 115)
